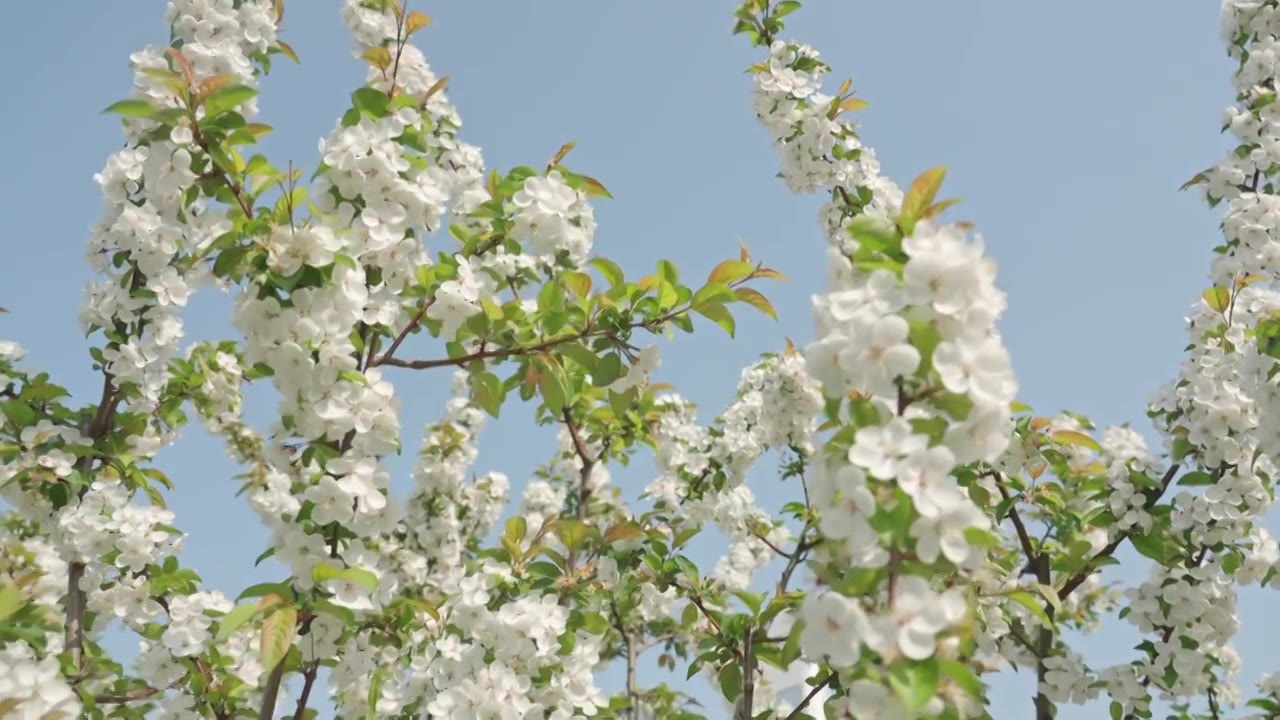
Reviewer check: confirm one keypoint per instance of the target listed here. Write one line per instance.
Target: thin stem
(794, 714)
(404, 333)
(308, 680)
(1112, 546)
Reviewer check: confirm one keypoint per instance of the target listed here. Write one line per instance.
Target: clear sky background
(1067, 128)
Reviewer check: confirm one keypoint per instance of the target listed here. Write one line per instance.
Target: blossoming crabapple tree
(942, 531)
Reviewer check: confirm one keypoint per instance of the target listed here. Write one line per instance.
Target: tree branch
(794, 714)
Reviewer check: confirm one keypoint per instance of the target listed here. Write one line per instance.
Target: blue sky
(1067, 128)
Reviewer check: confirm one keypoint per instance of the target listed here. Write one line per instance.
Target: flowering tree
(941, 532)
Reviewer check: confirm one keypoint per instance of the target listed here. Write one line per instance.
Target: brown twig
(799, 709)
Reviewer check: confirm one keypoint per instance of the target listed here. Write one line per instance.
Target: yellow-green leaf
(1218, 298)
(623, 531)
(844, 86)
(131, 108)
(922, 192)
(416, 21)
(287, 50)
(1197, 179)
(853, 103)
(938, 208)
(1028, 601)
(277, 636)
(237, 616)
(729, 271)
(1071, 437)
(359, 576)
(757, 301)
(572, 532)
(595, 188)
(379, 57)
(578, 282)
(10, 601)
(718, 314)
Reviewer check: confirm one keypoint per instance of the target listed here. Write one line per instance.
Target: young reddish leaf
(214, 83)
(287, 50)
(938, 208)
(594, 188)
(1197, 179)
(188, 72)
(564, 150)
(436, 87)
(769, 273)
(743, 253)
(757, 301)
(922, 191)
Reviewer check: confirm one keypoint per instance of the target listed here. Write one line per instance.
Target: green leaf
(963, 676)
(731, 682)
(785, 8)
(713, 292)
(18, 413)
(224, 99)
(609, 270)
(552, 388)
(131, 108)
(914, 682)
(719, 315)
(1029, 601)
(237, 616)
(607, 371)
(359, 576)
(594, 623)
(353, 376)
(10, 601)
(515, 530)
(572, 532)
(551, 297)
(488, 394)
(370, 101)
(982, 538)
(1150, 545)
(1197, 479)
